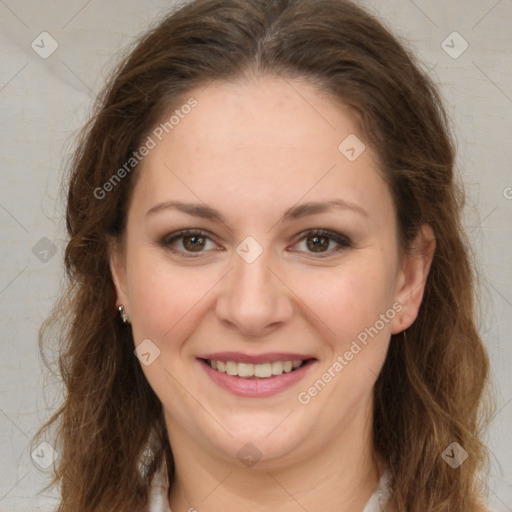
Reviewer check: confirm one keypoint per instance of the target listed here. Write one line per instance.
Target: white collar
(381, 494)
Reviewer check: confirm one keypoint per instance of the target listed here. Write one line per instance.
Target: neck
(340, 476)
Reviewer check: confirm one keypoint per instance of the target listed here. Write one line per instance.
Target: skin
(251, 150)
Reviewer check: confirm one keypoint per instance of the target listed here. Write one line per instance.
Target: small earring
(124, 316)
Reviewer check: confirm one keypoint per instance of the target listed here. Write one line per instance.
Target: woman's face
(262, 287)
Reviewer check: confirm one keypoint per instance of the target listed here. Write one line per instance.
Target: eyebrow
(295, 212)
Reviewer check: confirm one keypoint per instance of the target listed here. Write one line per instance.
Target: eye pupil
(316, 244)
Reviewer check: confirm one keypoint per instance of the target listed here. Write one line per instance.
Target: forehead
(263, 141)
(263, 112)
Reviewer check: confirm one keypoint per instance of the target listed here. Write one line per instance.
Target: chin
(261, 438)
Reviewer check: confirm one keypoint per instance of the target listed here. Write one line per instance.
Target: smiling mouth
(255, 371)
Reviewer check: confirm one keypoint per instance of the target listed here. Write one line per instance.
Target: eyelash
(343, 241)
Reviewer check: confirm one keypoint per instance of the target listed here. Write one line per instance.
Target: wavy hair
(110, 431)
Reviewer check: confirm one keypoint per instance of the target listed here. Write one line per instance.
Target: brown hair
(111, 433)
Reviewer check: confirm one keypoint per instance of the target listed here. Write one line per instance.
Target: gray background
(44, 101)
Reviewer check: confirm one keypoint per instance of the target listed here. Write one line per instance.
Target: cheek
(162, 295)
(357, 305)
(349, 299)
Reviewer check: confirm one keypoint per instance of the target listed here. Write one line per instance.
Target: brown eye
(187, 242)
(319, 241)
(193, 243)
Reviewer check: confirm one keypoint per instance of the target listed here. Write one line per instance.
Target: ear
(412, 277)
(117, 262)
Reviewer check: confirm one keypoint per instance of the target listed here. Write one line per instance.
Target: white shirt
(160, 487)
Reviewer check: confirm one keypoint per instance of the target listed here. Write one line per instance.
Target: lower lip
(256, 388)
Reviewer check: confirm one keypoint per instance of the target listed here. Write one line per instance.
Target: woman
(263, 206)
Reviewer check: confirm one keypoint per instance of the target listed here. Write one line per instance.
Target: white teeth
(277, 367)
(245, 370)
(262, 370)
(231, 368)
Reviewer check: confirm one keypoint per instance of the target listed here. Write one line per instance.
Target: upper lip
(268, 357)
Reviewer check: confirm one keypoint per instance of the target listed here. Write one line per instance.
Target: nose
(254, 300)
